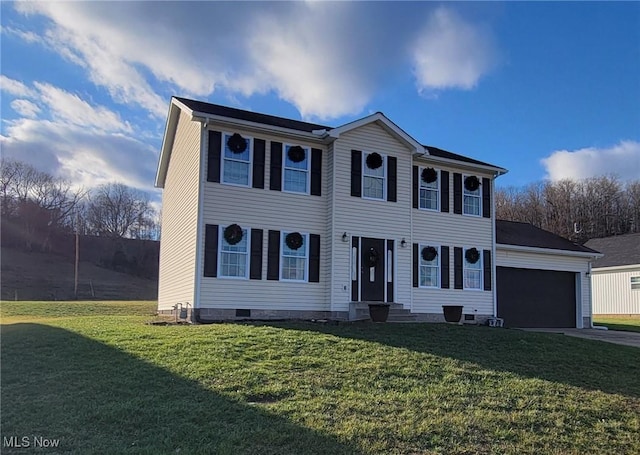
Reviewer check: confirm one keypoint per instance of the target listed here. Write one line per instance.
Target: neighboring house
(267, 217)
(616, 277)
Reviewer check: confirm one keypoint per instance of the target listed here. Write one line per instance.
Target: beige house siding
(180, 217)
(369, 218)
(612, 293)
(267, 210)
(550, 261)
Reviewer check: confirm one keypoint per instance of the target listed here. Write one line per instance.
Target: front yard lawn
(96, 377)
(625, 323)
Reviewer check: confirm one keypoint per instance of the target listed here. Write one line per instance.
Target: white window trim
(437, 189)
(284, 169)
(223, 160)
(635, 283)
(464, 268)
(283, 235)
(479, 196)
(439, 273)
(384, 177)
(220, 252)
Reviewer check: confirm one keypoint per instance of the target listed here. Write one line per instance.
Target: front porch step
(359, 311)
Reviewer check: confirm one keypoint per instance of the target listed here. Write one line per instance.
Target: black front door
(372, 269)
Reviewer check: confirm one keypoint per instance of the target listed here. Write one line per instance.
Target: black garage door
(536, 298)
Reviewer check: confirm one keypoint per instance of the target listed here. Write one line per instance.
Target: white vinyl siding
(236, 167)
(180, 217)
(613, 291)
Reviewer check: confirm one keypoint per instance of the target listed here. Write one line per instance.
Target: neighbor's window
(236, 163)
(472, 197)
(635, 283)
(296, 169)
(472, 271)
(234, 259)
(295, 256)
(428, 190)
(373, 176)
(429, 266)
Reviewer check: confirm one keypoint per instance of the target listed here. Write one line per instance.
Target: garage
(536, 298)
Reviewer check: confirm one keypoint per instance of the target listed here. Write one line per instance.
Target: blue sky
(544, 89)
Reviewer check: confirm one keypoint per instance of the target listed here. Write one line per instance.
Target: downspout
(493, 246)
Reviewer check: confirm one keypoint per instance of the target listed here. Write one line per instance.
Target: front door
(372, 269)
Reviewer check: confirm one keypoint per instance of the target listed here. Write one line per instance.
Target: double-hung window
(472, 199)
(429, 192)
(472, 269)
(429, 266)
(295, 256)
(234, 259)
(373, 176)
(236, 163)
(635, 283)
(296, 170)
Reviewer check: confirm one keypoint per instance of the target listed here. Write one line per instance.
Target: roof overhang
(167, 142)
(380, 119)
(616, 268)
(550, 251)
(493, 170)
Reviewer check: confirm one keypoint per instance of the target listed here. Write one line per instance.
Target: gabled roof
(527, 235)
(434, 151)
(618, 250)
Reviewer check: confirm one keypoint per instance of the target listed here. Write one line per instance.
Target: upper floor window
(373, 176)
(234, 252)
(472, 269)
(296, 169)
(295, 256)
(429, 190)
(429, 266)
(472, 196)
(236, 163)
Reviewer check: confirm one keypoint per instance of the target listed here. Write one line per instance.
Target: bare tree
(117, 210)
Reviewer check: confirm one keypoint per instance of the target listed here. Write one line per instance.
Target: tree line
(578, 210)
(36, 207)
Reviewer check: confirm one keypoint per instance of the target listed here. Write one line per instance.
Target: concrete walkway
(609, 336)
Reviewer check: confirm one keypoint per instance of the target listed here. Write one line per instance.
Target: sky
(547, 90)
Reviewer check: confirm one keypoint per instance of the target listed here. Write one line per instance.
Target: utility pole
(75, 288)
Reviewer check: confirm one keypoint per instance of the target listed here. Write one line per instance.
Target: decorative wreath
(429, 253)
(296, 154)
(472, 183)
(233, 234)
(429, 175)
(371, 259)
(374, 160)
(236, 143)
(294, 240)
(472, 255)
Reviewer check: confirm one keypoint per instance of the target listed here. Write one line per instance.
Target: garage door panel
(536, 298)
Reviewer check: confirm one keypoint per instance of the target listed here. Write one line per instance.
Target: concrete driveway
(609, 336)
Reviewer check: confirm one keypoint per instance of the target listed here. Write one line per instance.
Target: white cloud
(622, 160)
(14, 87)
(451, 53)
(25, 108)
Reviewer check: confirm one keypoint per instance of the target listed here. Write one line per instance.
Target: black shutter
(275, 180)
(486, 261)
(356, 173)
(444, 267)
(273, 256)
(486, 197)
(258, 163)
(213, 158)
(314, 258)
(211, 250)
(392, 179)
(457, 193)
(316, 172)
(457, 267)
(444, 191)
(416, 266)
(416, 187)
(255, 267)
(390, 272)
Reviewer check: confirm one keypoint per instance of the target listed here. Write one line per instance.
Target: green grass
(105, 382)
(625, 323)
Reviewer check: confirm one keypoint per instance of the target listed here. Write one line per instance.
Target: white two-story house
(269, 218)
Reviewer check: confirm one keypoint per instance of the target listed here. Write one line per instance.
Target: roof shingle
(618, 250)
(525, 234)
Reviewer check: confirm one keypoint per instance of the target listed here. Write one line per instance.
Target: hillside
(42, 276)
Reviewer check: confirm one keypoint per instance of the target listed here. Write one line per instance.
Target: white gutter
(531, 249)
(496, 171)
(616, 268)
